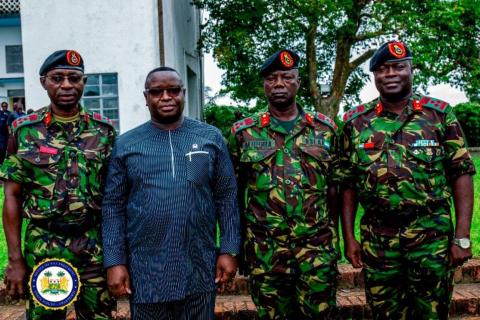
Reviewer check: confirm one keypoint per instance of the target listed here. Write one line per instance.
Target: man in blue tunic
(170, 180)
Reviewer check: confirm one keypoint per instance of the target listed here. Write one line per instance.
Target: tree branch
(361, 59)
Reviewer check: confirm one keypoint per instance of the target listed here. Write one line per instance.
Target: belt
(404, 215)
(70, 229)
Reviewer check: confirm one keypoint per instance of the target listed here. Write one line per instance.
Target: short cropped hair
(160, 69)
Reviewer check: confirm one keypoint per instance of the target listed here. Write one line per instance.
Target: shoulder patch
(98, 117)
(26, 120)
(355, 112)
(243, 124)
(326, 120)
(433, 103)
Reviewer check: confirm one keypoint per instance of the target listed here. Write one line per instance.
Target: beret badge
(286, 59)
(397, 50)
(73, 58)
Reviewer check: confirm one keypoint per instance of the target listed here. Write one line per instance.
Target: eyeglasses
(72, 78)
(158, 92)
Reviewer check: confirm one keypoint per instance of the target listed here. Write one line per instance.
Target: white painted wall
(111, 35)
(181, 35)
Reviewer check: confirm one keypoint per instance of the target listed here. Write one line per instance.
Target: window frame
(101, 95)
(15, 64)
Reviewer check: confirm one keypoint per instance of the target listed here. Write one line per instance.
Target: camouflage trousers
(85, 254)
(406, 267)
(295, 280)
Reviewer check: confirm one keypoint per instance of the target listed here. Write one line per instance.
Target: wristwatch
(463, 243)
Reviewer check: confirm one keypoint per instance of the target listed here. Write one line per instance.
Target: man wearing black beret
(284, 158)
(404, 158)
(54, 177)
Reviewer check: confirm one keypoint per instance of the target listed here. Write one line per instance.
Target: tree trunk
(312, 66)
(331, 104)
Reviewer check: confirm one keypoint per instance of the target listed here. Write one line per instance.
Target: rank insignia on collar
(309, 118)
(265, 119)
(48, 118)
(417, 106)
(379, 109)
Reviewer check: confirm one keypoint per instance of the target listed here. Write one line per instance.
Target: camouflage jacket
(283, 177)
(62, 173)
(395, 161)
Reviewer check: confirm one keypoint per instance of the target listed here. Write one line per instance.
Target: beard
(282, 105)
(166, 119)
(169, 119)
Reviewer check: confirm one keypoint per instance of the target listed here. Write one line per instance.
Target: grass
(475, 231)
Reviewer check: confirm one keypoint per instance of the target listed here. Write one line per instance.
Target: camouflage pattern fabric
(300, 282)
(402, 167)
(61, 167)
(407, 274)
(85, 253)
(283, 180)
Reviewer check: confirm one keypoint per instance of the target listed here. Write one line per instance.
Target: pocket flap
(317, 152)
(254, 155)
(41, 155)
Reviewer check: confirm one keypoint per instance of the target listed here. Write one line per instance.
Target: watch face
(464, 243)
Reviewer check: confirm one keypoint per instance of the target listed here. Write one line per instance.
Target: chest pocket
(94, 170)
(197, 163)
(367, 158)
(42, 169)
(260, 167)
(316, 163)
(427, 166)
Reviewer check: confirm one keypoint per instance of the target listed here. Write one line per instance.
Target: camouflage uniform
(61, 167)
(290, 240)
(402, 168)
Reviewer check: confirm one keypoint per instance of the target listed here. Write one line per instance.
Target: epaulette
(26, 120)
(433, 103)
(355, 112)
(243, 124)
(326, 120)
(98, 117)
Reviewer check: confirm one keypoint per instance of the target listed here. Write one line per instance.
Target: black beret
(392, 51)
(62, 59)
(280, 60)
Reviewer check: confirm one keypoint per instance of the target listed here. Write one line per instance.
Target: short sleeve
(458, 159)
(13, 169)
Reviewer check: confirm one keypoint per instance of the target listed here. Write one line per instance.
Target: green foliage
(468, 114)
(223, 117)
(334, 38)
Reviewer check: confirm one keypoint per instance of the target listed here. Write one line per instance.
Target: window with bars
(101, 95)
(14, 59)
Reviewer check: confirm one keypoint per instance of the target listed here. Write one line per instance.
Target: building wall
(113, 36)
(181, 50)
